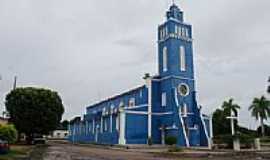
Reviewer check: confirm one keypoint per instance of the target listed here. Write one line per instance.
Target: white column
(80, 128)
(122, 139)
(163, 135)
(73, 132)
(86, 128)
(96, 134)
(117, 122)
(69, 129)
(149, 85)
(101, 125)
(93, 126)
(111, 123)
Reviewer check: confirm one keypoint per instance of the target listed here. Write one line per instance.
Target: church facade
(165, 106)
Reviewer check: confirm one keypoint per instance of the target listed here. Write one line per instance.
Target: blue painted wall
(101, 121)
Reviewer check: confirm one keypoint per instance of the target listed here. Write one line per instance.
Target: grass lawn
(16, 151)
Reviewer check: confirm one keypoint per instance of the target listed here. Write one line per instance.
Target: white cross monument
(236, 143)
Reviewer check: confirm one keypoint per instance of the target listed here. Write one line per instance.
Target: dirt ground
(60, 151)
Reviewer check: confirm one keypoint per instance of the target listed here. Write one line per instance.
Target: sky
(88, 50)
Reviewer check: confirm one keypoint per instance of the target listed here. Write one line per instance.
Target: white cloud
(88, 50)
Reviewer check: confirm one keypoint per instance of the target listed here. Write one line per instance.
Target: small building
(59, 134)
(165, 106)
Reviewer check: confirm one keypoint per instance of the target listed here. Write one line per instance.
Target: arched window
(165, 59)
(182, 57)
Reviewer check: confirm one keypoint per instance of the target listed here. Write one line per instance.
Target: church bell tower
(175, 55)
(177, 82)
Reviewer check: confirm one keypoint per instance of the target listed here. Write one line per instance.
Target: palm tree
(260, 109)
(229, 107)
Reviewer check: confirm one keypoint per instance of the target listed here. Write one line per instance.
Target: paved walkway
(62, 151)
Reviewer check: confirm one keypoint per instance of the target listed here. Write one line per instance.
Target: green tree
(221, 125)
(8, 133)
(64, 124)
(260, 109)
(34, 110)
(230, 107)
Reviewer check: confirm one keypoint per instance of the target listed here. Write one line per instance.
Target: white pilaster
(122, 131)
(149, 86)
(96, 133)
(73, 133)
(93, 126)
(101, 124)
(111, 127)
(86, 128)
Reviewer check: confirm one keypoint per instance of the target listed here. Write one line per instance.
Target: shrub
(226, 139)
(265, 139)
(149, 141)
(8, 133)
(170, 140)
(245, 140)
(175, 149)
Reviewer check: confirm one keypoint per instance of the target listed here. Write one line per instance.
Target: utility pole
(15, 83)
(268, 89)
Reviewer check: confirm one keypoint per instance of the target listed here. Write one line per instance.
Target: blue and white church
(165, 106)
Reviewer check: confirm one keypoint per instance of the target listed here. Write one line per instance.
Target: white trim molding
(205, 131)
(162, 113)
(177, 77)
(181, 119)
(137, 112)
(146, 113)
(136, 107)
